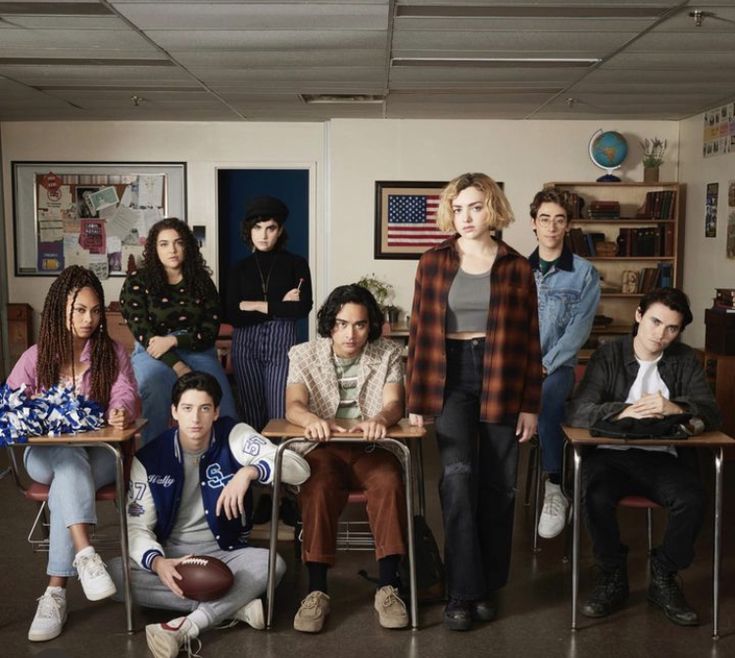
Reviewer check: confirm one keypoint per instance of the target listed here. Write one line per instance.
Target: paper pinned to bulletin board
(94, 215)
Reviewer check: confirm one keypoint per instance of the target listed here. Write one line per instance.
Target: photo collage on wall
(719, 131)
(99, 221)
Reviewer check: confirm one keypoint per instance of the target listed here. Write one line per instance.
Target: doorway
(235, 187)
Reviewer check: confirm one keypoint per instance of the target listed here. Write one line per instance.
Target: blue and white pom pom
(69, 413)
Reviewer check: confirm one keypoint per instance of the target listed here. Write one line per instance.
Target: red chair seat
(38, 492)
(639, 502)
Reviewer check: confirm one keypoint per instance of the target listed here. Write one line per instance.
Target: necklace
(264, 280)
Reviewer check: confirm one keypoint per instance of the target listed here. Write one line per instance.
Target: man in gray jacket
(647, 375)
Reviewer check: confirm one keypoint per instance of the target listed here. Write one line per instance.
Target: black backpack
(429, 565)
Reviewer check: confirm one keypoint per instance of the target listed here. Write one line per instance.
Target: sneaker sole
(307, 629)
(393, 625)
(103, 594)
(456, 625)
(45, 637)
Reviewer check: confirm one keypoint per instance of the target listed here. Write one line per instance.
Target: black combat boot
(664, 591)
(458, 615)
(610, 593)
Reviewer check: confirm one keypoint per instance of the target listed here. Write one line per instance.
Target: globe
(608, 150)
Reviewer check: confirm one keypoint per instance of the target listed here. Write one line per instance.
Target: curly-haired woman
(172, 308)
(74, 350)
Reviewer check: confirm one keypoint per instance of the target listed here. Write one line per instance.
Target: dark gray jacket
(612, 370)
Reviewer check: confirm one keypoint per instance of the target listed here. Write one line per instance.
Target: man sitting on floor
(647, 375)
(350, 372)
(190, 494)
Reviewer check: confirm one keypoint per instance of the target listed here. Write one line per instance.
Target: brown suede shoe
(390, 608)
(312, 613)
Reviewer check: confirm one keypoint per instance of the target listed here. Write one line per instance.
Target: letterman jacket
(157, 479)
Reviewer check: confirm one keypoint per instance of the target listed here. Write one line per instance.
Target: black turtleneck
(280, 271)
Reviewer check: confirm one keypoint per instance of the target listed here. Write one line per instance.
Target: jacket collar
(564, 262)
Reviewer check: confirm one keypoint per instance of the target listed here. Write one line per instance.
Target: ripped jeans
(477, 487)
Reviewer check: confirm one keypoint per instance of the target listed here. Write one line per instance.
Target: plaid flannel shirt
(512, 361)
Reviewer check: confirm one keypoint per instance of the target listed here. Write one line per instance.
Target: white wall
(203, 146)
(706, 265)
(522, 154)
(348, 157)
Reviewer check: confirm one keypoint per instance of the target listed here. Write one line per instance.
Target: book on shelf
(651, 241)
(725, 296)
(658, 205)
(604, 210)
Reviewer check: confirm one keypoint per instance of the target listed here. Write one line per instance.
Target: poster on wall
(719, 131)
(710, 210)
(96, 215)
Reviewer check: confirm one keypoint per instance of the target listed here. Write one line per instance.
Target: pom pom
(56, 411)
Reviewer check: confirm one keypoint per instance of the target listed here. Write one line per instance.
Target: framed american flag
(405, 218)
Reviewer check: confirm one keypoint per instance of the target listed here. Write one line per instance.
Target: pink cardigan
(124, 391)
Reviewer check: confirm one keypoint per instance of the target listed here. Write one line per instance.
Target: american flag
(412, 220)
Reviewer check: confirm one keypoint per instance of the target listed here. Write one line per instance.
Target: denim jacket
(568, 295)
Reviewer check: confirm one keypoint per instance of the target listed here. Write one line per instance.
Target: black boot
(487, 609)
(665, 592)
(458, 615)
(610, 593)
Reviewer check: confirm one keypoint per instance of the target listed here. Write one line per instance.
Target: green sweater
(194, 321)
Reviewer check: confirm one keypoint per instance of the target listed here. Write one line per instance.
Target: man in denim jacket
(568, 293)
(647, 375)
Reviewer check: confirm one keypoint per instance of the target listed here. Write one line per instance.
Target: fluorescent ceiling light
(497, 62)
(54, 9)
(324, 99)
(515, 11)
(81, 61)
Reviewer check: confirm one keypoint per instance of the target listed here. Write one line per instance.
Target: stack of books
(583, 244)
(724, 301)
(649, 241)
(658, 205)
(604, 210)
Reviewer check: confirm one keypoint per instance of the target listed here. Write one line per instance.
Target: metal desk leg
(408, 477)
(575, 540)
(419, 470)
(271, 589)
(717, 547)
(122, 510)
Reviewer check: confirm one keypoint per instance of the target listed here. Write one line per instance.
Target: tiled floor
(534, 620)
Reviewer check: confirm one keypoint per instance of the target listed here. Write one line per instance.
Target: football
(204, 578)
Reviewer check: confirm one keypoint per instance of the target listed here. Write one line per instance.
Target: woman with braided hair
(172, 309)
(75, 351)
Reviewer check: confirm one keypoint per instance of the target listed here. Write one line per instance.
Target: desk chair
(38, 535)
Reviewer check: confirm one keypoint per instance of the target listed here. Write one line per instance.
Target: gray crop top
(468, 302)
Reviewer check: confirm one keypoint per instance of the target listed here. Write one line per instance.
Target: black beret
(266, 207)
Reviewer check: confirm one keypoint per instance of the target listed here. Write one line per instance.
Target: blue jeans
(554, 394)
(74, 475)
(155, 381)
(477, 486)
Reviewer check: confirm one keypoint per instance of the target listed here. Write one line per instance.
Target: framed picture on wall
(94, 214)
(405, 218)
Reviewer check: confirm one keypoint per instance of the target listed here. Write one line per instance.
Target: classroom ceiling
(297, 60)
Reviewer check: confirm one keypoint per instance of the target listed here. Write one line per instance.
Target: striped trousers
(260, 362)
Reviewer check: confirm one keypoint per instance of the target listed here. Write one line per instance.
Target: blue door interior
(235, 187)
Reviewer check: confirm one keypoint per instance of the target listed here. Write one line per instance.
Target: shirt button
(206, 511)
(203, 483)
(216, 536)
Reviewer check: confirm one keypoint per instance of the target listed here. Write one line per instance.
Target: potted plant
(653, 158)
(384, 294)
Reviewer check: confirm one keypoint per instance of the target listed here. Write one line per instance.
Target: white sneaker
(96, 582)
(252, 614)
(166, 640)
(554, 513)
(50, 618)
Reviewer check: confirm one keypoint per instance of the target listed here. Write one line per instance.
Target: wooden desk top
(581, 436)
(104, 435)
(281, 428)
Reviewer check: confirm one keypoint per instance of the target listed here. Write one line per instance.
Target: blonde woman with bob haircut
(474, 368)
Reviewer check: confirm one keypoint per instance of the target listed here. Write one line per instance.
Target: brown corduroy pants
(335, 471)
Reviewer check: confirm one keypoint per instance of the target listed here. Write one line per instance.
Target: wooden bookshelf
(632, 199)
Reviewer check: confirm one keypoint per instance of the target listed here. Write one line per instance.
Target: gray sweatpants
(248, 565)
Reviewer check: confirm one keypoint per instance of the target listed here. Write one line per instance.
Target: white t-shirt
(647, 381)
